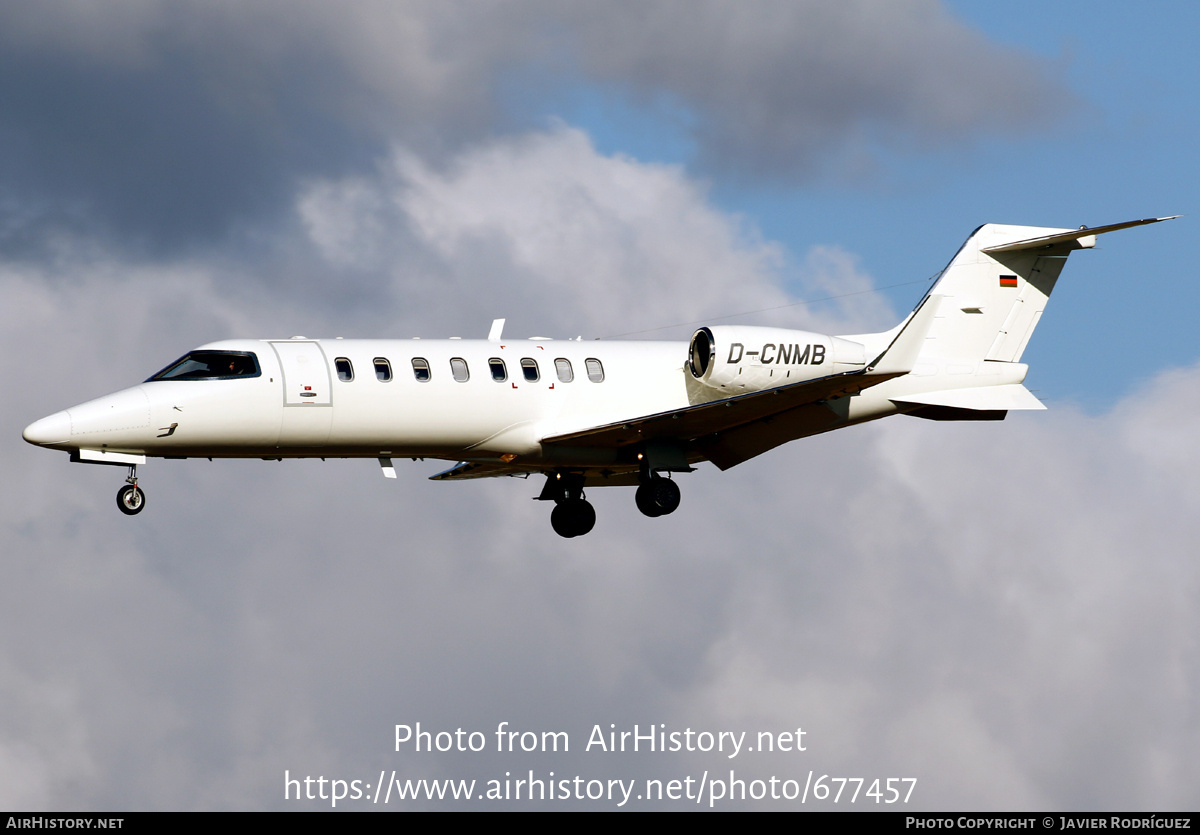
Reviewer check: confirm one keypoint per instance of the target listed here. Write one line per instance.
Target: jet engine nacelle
(744, 358)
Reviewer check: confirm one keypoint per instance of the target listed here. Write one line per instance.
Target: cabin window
(595, 370)
(499, 372)
(383, 370)
(345, 370)
(211, 365)
(458, 368)
(530, 370)
(421, 370)
(565, 373)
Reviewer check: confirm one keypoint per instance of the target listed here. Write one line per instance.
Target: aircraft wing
(716, 416)
(732, 429)
(716, 424)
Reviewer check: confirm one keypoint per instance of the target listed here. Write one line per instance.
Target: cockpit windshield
(211, 365)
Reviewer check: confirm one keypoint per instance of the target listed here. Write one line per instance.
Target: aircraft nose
(55, 429)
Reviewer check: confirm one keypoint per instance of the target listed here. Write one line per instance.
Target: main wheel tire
(560, 520)
(644, 499)
(131, 499)
(585, 516)
(572, 518)
(666, 496)
(657, 497)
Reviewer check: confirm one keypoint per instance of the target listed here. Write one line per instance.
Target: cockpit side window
(211, 365)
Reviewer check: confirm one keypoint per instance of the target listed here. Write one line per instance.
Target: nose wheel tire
(131, 499)
(657, 497)
(572, 518)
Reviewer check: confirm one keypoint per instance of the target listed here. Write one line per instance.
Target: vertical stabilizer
(993, 301)
(996, 288)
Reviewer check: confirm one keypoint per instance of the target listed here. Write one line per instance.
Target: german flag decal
(1008, 281)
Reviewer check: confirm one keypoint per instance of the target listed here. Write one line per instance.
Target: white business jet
(588, 414)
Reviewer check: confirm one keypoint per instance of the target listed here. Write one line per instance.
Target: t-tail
(990, 299)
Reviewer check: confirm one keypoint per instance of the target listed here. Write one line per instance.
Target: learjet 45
(588, 414)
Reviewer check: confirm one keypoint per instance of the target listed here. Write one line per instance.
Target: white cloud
(545, 230)
(566, 230)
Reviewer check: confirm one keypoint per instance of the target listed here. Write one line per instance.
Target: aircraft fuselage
(366, 398)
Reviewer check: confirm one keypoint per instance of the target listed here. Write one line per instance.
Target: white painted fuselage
(305, 409)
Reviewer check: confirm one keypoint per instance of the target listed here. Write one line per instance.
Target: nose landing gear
(130, 498)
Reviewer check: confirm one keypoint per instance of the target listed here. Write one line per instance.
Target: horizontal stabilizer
(1011, 397)
(1082, 238)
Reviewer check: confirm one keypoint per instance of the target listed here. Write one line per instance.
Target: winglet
(900, 356)
(497, 329)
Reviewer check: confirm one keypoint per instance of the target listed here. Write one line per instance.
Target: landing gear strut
(657, 496)
(130, 498)
(573, 515)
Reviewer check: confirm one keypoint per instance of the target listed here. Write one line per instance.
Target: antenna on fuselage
(497, 329)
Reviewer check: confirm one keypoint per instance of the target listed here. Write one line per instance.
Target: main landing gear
(130, 498)
(657, 496)
(573, 515)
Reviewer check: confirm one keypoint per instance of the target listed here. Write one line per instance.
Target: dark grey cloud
(168, 123)
(170, 150)
(779, 89)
